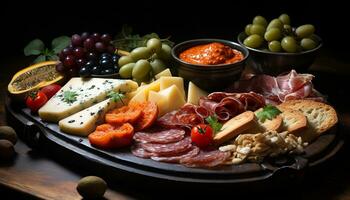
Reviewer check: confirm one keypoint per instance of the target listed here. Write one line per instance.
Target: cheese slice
(166, 82)
(195, 93)
(84, 122)
(142, 93)
(165, 72)
(173, 98)
(87, 93)
(160, 100)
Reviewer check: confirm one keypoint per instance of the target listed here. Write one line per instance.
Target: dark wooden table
(36, 174)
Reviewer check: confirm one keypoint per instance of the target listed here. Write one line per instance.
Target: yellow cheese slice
(195, 93)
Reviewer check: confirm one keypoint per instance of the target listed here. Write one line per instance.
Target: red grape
(67, 51)
(110, 49)
(89, 44)
(80, 62)
(100, 47)
(61, 56)
(76, 40)
(72, 72)
(79, 52)
(84, 36)
(60, 68)
(96, 37)
(106, 38)
(69, 61)
(92, 56)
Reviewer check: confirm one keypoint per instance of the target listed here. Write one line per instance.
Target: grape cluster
(279, 36)
(88, 54)
(145, 62)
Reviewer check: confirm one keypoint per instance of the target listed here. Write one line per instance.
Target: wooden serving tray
(121, 162)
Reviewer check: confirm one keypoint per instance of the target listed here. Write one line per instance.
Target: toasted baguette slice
(235, 126)
(294, 121)
(270, 125)
(320, 117)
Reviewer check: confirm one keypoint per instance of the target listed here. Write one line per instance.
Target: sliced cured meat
(206, 159)
(281, 88)
(160, 136)
(168, 149)
(186, 117)
(138, 151)
(226, 105)
(193, 151)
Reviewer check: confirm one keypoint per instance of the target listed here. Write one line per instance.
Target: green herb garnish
(268, 112)
(125, 40)
(37, 48)
(214, 123)
(69, 96)
(116, 96)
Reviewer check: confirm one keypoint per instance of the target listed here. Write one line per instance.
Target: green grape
(154, 44)
(126, 70)
(165, 52)
(157, 66)
(144, 79)
(275, 23)
(285, 19)
(305, 31)
(257, 29)
(289, 44)
(253, 41)
(140, 53)
(141, 69)
(260, 20)
(308, 44)
(125, 60)
(273, 34)
(287, 29)
(247, 29)
(275, 46)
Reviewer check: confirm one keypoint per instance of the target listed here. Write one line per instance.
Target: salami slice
(138, 151)
(160, 136)
(193, 151)
(168, 149)
(206, 159)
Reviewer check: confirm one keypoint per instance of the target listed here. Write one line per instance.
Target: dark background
(23, 21)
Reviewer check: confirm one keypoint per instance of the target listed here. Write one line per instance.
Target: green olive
(260, 20)
(273, 34)
(275, 23)
(289, 44)
(257, 29)
(285, 19)
(253, 41)
(92, 187)
(305, 31)
(247, 29)
(275, 46)
(308, 44)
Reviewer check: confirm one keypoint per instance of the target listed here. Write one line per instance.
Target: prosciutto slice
(206, 159)
(281, 88)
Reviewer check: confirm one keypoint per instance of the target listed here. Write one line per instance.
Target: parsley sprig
(214, 123)
(69, 96)
(116, 96)
(268, 112)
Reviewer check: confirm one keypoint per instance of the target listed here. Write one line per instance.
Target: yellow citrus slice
(34, 77)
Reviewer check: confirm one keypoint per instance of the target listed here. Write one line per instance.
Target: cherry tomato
(50, 90)
(36, 100)
(202, 135)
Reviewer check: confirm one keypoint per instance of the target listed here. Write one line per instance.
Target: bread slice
(320, 117)
(270, 125)
(294, 121)
(235, 126)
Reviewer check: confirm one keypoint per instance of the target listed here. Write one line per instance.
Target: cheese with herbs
(79, 93)
(84, 122)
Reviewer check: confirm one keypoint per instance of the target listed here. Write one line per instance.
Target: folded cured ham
(279, 89)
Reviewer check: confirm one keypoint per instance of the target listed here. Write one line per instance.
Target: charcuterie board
(121, 162)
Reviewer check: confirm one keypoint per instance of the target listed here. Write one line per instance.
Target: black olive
(104, 63)
(115, 59)
(96, 70)
(84, 72)
(107, 71)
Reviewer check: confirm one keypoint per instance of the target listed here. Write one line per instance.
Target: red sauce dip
(211, 54)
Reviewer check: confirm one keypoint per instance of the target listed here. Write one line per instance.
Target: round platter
(121, 162)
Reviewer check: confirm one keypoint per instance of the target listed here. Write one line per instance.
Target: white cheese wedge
(84, 122)
(165, 72)
(173, 97)
(166, 82)
(195, 93)
(87, 93)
